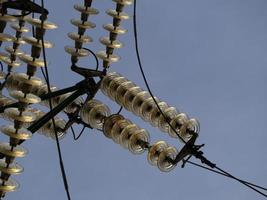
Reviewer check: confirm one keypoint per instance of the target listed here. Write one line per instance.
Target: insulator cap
(126, 134)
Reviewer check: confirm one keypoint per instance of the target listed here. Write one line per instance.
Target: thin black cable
(64, 177)
(119, 111)
(80, 134)
(223, 174)
(33, 30)
(2, 67)
(240, 181)
(144, 77)
(96, 59)
(151, 94)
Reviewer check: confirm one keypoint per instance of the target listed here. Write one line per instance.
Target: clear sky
(208, 59)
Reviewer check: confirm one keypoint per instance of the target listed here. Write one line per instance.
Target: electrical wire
(74, 135)
(96, 59)
(2, 67)
(150, 92)
(223, 174)
(119, 111)
(63, 173)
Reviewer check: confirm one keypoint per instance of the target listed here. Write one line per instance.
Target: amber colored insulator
(165, 159)
(109, 123)
(114, 84)
(126, 134)
(8, 186)
(118, 128)
(137, 140)
(147, 108)
(138, 100)
(169, 113)
(176, 123)
(154, 152)
(129, 97)
(38, 23)
(93, 113)
(191, 126)
(156, 114)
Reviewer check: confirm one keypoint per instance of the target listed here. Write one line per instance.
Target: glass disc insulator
(8, 186)
(20, 134)
(177, 122)
(137, 141)
(118, 128)
(129, 97)
(138, 100)
(169, 114)
(190, 127)
(165, 159)
(109, 123)
(126, 134)
(11, 169)
(154, 152)
(94, 112)
(14, 113)
(121, 90)
(147, 107)
(17, 151)
(155, 114)
(114, 84)
(106, 81)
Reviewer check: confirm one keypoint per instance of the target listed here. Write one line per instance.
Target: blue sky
(208, 59)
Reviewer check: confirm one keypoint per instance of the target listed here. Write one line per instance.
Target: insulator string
(150, 92)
